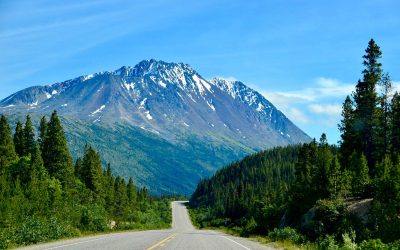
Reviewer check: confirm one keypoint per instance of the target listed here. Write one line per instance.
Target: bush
(35, 230)
(373, 245)
(349, 241)
(395, 245)
(328, 243)
(4, 239)
(249, 228)
(93, 218)
(287, 233)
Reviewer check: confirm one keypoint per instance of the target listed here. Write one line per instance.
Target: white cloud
(396, 86)
(296, 115)
(327, 109)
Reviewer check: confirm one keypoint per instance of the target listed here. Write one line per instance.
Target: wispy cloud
(328, 109)
(319, 103)
(296, 115)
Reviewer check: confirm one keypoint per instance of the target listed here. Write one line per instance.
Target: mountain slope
(167, 101)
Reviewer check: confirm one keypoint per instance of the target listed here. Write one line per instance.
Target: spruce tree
(121, 197)
(346, 128)
(91, 171)
(56, 156)
(109, 190)
(7, 150)
(19, 140)
(37, 163)
(29, 137)
(42, 133)
(131, 191)
(334, 178)
(366, 100)
(395, 124)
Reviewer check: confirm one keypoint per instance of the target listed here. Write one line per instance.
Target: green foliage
(349, 241)
(19, 140)
(56, 156)
(7, 150)
(286, 234)
(29, 137)
(41, 203)
(249, 228)
(328, 243)
(247, 188)
(373, 244)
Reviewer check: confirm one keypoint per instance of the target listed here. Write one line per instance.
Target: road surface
(182, 236)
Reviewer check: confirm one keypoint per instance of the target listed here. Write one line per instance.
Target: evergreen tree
(323, 161)
(346, 128)
(121, 197)
(366, 101)
(109, 190)
(131, 191)
(19, 140)
(78, 168)
(37, 163)
(395, 123)
(91, 171)
(334, 178)
(7, 150)
(29, 137)
(360, 174)
(56, 156)
(42, 133)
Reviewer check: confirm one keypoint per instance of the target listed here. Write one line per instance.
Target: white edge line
(77, 243)
(236, 242)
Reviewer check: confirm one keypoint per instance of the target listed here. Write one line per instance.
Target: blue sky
(304, 56)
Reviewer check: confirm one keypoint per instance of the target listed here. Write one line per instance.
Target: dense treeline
(349, 193)
(254, 187)
(45, 196)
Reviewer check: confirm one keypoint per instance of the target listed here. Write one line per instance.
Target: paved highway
(182, 236)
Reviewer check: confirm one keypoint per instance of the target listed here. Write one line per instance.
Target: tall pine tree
(7, 150)
(29, 137)
(346, 128)
(56, 156)
(366, 100)
(42, 133)
(395, 124)
(19, 140)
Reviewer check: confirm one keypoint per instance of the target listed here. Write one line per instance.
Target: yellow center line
(162, 242)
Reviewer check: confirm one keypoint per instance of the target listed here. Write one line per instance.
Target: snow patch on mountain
(97, 110)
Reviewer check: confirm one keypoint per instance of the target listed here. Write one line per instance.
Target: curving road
(182, 236)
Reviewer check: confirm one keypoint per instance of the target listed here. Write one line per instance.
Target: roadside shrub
(328, 243)
(394, 246)
(35, 230)
(4, 239)
(249, 228)
(93, 219)
(349, 241)
(374, 244)
(287, 233)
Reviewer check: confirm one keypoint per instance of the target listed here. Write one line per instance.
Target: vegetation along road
(182, 236)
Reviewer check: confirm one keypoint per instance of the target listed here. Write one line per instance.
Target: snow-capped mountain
(166, 99)
(171, 103)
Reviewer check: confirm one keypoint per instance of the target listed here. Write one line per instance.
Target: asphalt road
(182, 236)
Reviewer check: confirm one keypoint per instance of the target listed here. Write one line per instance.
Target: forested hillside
(45, 196)
(245, 189)
(346, 196)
